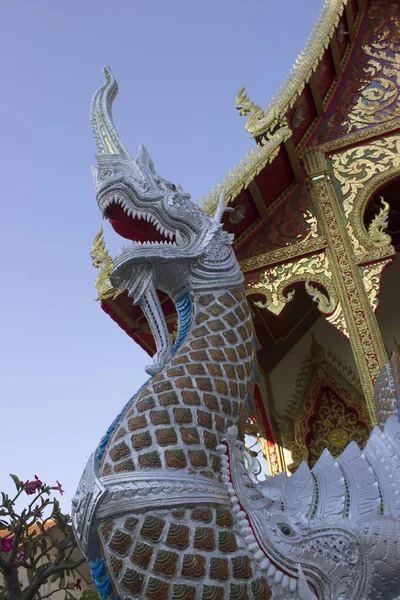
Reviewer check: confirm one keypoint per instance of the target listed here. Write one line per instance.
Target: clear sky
(65, 368)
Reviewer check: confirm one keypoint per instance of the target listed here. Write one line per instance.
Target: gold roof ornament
(262, 120)
(256, 118)
(103, 261)
(305, 65)
(379, 224)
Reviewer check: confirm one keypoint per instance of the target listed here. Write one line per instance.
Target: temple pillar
(364, 334)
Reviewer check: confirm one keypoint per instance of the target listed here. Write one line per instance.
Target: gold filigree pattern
(326, 399)
(371, 275)
(337, 320)
(334, 427)
(359, 172)
(325, 305)
(364, 334)
(359, 136)
(103, 261)
(274, 282)
(378, 225)
(378, 98)
(289, 253)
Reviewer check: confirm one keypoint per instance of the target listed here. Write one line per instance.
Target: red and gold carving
(330, 410)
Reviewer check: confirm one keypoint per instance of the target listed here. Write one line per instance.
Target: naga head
(159, 218)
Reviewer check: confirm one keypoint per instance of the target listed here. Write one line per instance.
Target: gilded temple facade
(316, 219)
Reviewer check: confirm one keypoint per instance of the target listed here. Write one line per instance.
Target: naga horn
(104, 132)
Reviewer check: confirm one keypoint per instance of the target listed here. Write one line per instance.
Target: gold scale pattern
(175, 423)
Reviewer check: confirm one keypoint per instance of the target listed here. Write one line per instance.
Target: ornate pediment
(328, 407)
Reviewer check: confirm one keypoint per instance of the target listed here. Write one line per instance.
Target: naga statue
(165, 508)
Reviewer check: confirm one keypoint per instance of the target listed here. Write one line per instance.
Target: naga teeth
(179, 238)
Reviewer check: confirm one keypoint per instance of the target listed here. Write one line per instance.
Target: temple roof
(271, 127)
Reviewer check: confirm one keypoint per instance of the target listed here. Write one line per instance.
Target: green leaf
(17, 481)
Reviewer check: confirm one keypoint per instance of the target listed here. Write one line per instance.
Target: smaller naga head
(159, 218)
(332, 553)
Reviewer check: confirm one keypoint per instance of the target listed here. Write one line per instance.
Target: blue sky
(66, 368)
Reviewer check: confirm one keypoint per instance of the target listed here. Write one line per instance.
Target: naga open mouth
(140, 227)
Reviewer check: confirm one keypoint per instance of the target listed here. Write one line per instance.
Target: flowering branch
(38, 541)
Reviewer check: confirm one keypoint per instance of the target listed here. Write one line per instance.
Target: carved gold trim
(337, 320)
(282, 254)
(371, 275)
(275, 282)
(350, 139)
(375, 255)
(379, 224)
(318, 368)
(364, 334)
(360, 171)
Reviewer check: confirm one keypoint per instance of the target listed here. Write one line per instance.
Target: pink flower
(6, 544)
(59, 487)
(78, 581)
(21, 554)
(32, 486)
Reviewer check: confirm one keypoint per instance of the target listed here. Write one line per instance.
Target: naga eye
(286, 530)
(105, 174)
(171, 186)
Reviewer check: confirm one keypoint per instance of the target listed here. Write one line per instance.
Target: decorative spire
(105, 135)
(247, 108)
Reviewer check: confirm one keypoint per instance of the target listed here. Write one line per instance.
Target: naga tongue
(128, 232)
(131, 232)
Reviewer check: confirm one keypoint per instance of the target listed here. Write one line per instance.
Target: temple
(316, 220)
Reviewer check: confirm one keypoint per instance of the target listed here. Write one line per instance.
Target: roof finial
(105, 135)
(247, 108)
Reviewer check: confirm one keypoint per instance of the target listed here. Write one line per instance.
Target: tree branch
(44, 574)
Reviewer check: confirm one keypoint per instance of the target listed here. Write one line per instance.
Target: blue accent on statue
(255, 370)
(249, 406)
(106, 437)
(184, 310)
(101, 580)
